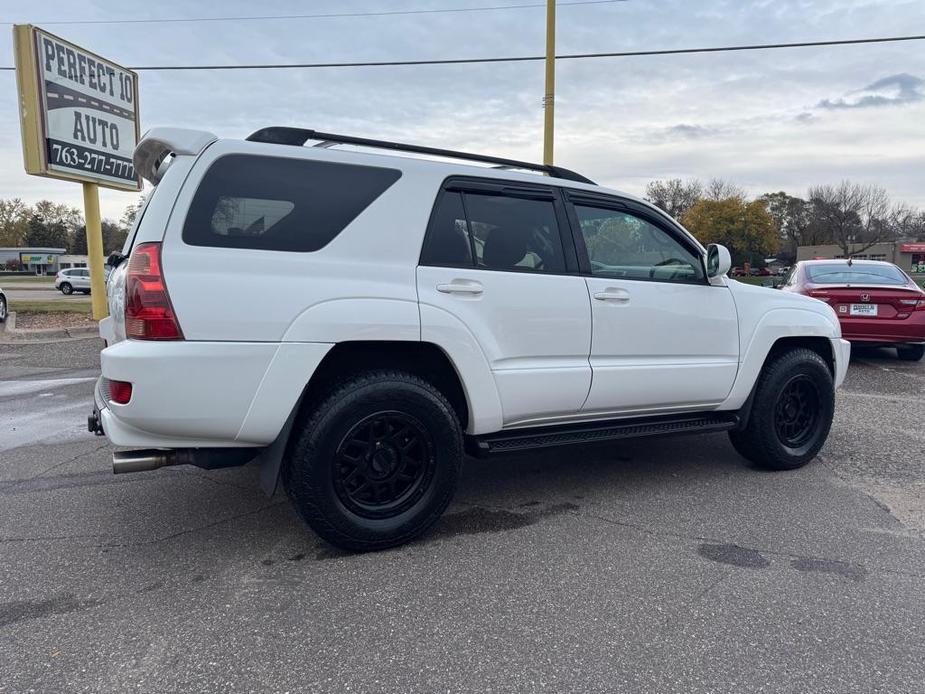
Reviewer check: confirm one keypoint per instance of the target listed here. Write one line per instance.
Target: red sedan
(876, 302)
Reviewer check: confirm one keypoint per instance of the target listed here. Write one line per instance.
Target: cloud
(690, 131)
(901, 88)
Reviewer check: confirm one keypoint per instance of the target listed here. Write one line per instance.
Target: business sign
(912, 248)
(78, 111)
(27, 259)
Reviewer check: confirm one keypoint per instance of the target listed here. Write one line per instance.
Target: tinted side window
(622, 245)
(279, 204)
(448, 243)
(514, 234)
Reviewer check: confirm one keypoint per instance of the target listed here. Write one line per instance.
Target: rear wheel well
(820, 345)
(423, 359)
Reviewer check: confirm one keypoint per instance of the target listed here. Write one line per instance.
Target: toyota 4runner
(355, 321)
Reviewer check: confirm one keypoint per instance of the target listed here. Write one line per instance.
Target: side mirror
(718, 260)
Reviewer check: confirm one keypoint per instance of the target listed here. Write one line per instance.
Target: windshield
(855, 274)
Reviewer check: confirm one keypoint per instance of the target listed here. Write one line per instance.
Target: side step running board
(517, 440)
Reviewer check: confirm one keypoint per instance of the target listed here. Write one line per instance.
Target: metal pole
(550, 94)
(95, 250)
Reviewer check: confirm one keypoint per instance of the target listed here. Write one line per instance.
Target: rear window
(280, 204)
(843, 273)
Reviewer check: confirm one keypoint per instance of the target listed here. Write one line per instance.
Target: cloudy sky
(768, 120)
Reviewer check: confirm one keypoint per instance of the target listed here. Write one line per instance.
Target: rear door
(664, 339)
(494, 259)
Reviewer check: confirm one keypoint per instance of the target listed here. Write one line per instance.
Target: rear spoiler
(158, 144)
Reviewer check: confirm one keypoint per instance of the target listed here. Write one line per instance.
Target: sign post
(79, 118)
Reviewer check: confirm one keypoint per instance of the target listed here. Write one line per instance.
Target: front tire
(2, 309)
(910, 352)
(791, 413)
(377, 462)
(66, 289)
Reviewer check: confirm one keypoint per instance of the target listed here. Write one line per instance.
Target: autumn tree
(14, 222)
(746, 229)
(674, 196)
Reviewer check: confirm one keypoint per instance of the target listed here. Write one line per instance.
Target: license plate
(863, 309)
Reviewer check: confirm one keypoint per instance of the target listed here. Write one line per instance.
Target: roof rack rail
(299, 136)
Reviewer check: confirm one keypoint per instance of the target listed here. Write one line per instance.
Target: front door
(494, 260)
(664, 338)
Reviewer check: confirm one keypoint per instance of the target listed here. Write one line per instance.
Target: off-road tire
(910, 352)
(766, 437)
(313, 474)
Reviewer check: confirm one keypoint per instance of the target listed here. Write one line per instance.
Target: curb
(10, 333)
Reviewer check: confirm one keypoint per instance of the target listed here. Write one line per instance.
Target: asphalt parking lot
(656, 565)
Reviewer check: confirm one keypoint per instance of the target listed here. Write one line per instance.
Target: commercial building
(41, 260)
(909, 255)
(36, 259)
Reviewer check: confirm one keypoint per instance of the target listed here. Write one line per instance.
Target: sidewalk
(10, 333)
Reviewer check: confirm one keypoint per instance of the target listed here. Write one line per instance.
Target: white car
(75, 279)
(355, 320)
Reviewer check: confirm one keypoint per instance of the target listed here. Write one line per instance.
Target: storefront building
(909, 255)
(37, 260)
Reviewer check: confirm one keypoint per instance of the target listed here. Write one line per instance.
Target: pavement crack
(15, 483)
(197, 529)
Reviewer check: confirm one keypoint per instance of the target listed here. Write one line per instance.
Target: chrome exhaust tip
(141, 461)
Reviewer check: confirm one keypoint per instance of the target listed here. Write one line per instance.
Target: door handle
(613, 294)
(460, 287)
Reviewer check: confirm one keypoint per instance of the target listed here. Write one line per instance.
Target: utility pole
(550, 93)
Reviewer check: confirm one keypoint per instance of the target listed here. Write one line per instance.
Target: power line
(530, 58)
(327, 15)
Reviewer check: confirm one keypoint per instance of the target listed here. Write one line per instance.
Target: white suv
(72, 280)
(355, 320)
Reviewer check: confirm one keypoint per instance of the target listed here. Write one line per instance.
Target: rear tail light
(120, 392)
(914, 304)
(149, 315)
(822, 296)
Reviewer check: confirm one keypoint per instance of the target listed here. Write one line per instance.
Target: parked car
(737, 272)
(4, 310)
(783, 271)
(760, 272)
(876, 302)
(75, 279)
(391, 312)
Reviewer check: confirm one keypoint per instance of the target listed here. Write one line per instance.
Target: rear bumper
(885, 331)
(203, 394)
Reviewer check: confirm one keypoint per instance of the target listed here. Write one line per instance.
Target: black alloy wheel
(383, 465)
(796, 411)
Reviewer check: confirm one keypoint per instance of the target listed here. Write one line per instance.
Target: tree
(746, 229)
(674, 195)
(718, 189)
(14, 222)
(131, 212)
(41, 233)
(851, 215)
(791, 215)
(114, 236)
